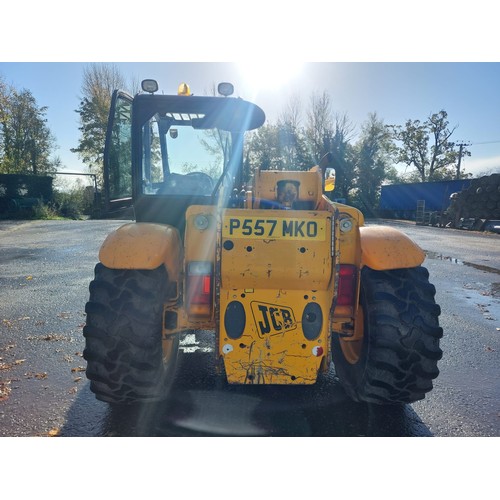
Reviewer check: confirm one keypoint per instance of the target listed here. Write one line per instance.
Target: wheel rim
(351, 348)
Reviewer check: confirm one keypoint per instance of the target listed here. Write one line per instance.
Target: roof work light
(150, 86)
(225, 88)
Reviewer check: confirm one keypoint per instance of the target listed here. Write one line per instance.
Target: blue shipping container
(397, 197)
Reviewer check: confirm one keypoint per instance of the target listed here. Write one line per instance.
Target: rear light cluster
(199, 288)
(346, 292)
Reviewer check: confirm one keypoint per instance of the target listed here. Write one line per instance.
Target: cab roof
(203, 112)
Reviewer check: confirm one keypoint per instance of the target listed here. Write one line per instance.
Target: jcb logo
(271, 319)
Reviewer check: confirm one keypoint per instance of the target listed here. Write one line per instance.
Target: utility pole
(460, 153)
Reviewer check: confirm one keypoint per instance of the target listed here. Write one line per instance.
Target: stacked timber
(481, 200)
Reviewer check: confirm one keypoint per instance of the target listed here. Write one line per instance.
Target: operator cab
(166, 152)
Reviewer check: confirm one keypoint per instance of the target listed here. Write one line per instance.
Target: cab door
(118, 154)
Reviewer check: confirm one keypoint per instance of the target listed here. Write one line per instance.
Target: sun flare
(269, 74)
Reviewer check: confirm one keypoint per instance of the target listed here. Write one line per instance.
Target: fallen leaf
(7, 347)
(78, 369)
(52, 336)
(54, 432)
(7, 366)
(73, 390)
(49, 337)
(4, 390)
(77, 379)
(39, 376)
(29, 278)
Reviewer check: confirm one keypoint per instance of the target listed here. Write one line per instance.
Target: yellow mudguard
(384, 248)
(143, 246)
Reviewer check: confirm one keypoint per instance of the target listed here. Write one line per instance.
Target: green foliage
(44, 211)
(93, 118)
(373, 152)
(99, 81)
(344, 158)
(263, 148)
(319, 131)
(26, 143)
(77, 202)
(427, 146)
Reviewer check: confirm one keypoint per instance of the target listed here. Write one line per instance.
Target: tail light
(346, 292)
(199, 288)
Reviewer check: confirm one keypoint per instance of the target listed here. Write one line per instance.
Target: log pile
(480, 202)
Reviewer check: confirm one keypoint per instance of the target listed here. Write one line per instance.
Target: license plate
(274, 228)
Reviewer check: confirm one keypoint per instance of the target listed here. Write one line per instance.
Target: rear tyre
(123, 336)
(397, 359)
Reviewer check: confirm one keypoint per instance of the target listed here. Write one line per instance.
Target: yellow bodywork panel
(384, 248)
(287, 187)
(273, 348)
(275, 295)
(201, 232)
(263, 248)
(143, 246)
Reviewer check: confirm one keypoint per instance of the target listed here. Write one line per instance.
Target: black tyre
(396, 361)
(123, 336)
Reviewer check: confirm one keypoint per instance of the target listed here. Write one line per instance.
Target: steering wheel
(206, 182)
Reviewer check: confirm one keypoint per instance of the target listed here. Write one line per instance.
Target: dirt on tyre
(123, 336)
(396, 361)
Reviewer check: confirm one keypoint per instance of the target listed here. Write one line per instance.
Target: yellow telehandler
(286, 280)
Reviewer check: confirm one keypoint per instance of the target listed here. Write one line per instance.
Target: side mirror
(329, 179)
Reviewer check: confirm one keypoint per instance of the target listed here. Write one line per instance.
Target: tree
(291, 138)
(319, 129)
(99, 82)
(331, 133)
(372, 164)
(427, 146)
(5, 91)
(263, 150)
(26, 141)
(343, 157)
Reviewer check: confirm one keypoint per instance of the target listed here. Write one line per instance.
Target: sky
(396, 91)
(401, 63)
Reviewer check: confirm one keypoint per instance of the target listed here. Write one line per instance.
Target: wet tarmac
(200, 404)
(45, 271)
